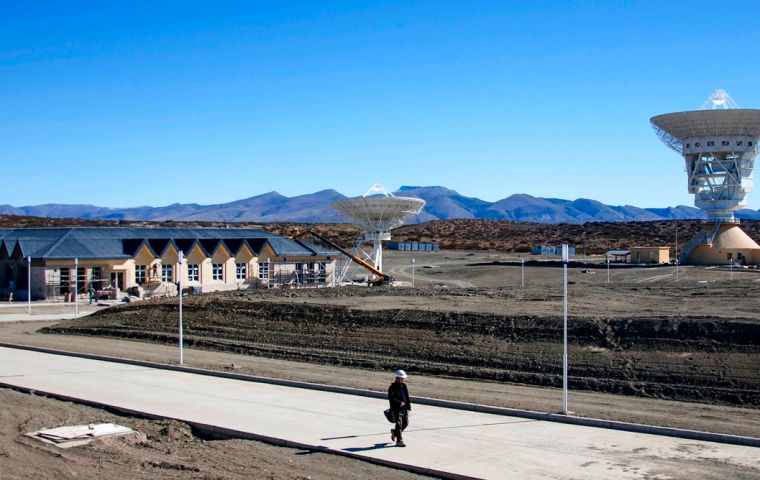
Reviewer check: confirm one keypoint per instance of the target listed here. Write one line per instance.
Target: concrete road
(465, 443)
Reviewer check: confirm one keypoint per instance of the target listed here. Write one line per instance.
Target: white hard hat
(400, 374)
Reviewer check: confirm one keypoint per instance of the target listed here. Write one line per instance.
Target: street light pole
(676, 249)
(179, 288)
(29, 283)
(76, 287)
(608, 269)
(676, 270)
(413, 264)
(565, 255)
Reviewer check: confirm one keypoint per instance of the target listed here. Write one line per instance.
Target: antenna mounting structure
(376, 213)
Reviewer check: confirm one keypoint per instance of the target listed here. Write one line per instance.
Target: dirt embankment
(705, 359)
(161, 449)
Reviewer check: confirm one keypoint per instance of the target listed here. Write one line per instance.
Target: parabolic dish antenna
(376, 213)
(719, 146)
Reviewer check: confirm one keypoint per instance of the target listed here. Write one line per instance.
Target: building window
(64, 281)
(749, 144)
(241, 271)
(299, 272)
(739, 143)
(81, 279)
(264, 270)
(217, 271)
(725, 143)
(688, 145)
(193, 272)
(710, 144)
(697, 144)
(310, 273)
(140, 274)
(322, 272)
(95, 275)
(167, 273)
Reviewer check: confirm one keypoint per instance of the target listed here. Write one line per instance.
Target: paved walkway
(43, 311)
(465, 443)
(39, 317)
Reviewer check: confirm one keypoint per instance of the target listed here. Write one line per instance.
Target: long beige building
(146, 261)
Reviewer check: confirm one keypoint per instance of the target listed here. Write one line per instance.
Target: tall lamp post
(676, 270)
(608, 269)
(676, 253)
(179, 291)
(565, 258)
(76, 287)
(29, 283)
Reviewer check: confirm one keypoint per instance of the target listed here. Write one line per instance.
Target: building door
(117, 280)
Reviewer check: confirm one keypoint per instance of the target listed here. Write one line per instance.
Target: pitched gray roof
(120, 242)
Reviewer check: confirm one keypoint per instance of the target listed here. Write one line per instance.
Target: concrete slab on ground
(460, 442)
(42, 317)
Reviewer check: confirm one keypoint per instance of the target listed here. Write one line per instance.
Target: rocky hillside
(497, 235)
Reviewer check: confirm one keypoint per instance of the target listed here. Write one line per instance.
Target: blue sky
(129, 103)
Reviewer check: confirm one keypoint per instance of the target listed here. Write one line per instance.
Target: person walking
(401, 406)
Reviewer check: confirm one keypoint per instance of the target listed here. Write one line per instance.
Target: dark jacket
(398, 393)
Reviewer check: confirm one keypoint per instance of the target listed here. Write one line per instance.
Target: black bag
(390, 415)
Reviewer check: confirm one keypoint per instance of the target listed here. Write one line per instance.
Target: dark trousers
(402, 421)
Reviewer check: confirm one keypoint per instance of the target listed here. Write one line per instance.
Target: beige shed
(650, 255)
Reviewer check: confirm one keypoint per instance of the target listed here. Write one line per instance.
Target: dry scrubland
(463, 234)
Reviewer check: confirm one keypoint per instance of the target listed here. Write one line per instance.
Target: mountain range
(441, 204)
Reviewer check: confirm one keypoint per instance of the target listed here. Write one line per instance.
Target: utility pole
(413, 263)
(522, 272)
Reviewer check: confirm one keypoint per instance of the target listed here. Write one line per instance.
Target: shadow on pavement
(431, 429)
(373, 447)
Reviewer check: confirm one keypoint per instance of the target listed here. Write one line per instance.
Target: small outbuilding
(650, 255)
